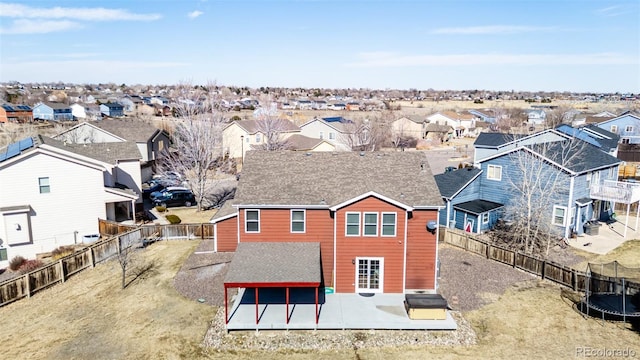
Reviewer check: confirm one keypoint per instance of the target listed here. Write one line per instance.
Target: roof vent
(361, 153)
(308, 154)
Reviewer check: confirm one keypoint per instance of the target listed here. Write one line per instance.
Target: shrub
(30, 265)
(61, 251)
(16, 262)
(173, 219)
(161, 209)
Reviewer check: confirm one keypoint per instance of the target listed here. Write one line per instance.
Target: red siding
(350, 247)
(275, 226)
(421, 251)
(227, 234)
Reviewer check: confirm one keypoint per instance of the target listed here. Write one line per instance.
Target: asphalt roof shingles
(331, 178)
(450, 183)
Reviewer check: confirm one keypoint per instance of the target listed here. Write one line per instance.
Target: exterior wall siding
(421, 252)
(389, 248)
(275, 227)
(227, 234)
(621, 124)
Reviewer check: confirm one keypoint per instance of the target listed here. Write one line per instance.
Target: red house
(373, 215)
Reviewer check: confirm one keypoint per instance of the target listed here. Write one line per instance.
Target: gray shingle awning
(584, 201)
(275, 264)
(477, 207)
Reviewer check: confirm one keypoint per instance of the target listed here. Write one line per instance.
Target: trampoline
(613, 289)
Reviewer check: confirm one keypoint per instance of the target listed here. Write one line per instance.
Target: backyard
(514, 316)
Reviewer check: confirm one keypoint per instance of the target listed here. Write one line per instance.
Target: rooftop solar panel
(24, 107)
(7, 107)
(13, 150)
(26, 143)
(3, 156)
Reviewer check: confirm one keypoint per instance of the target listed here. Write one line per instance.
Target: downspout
(404, 257)
(333, 275)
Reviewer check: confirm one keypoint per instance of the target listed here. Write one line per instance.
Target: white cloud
(194, 14)
(612, 11)
(493, 29)
(387, 59)
(93, 14)
(24, 26)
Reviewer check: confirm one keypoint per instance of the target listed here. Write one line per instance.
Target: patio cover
(274, 264)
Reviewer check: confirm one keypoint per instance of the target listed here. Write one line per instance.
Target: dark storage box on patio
(426, 306)
(591, 229)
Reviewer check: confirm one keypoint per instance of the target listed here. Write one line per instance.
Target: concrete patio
(337, 311)
(608, 237)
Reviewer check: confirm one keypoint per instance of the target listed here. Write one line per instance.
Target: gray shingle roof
(252, 126)
(576, 155)
(478, 207)
(226, 209)
(301, 142)
(128, 129)
(494, 139)
(331, 178)
(55, 105)
(106, 152)
(275, 262)
(452, 182)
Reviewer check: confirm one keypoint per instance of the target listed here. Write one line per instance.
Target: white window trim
(346, 223)
(628, 128)
(395, 223)
(304, 221)
(47, 185)
(564, 217)
(485, 221)
(246, 221)
(489, 172)
(364, 224)
(614, 129)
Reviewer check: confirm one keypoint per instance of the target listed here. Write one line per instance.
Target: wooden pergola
(274, 265)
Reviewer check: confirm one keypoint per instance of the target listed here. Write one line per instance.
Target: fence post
(118, 244)
(28, 285)
(91, 258)
(574, 279)
(61, 265)
(544, 266)
(488, 251)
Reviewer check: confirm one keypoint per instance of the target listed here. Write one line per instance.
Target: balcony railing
(616, 191)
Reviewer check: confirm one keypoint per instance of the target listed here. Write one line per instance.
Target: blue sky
(575, 45)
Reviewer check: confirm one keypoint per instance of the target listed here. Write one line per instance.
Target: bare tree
(272, 127)
(535, 184)
(364, 135)
(12, 132)
(125, 256)
(197, 141)
(563, 114)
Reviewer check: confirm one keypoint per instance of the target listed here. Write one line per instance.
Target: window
(3, 254)
(353, 224)
(258, 138)
(626, 140)
(252, 221)
(629, 128)
(485, 218)
(559, 214)
(297, 221)
(595, 177)
(370, 224)
(388, 224)
(332, 136)
(612, 173)
(248, 140)
(573, 216)
(45, 188)
(494, 172)
(614, 129)
(321, 135)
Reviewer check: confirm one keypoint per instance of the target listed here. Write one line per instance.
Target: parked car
(176, 198)
(165, 191)
(153, 187)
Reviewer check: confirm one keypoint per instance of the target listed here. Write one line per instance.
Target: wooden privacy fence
(165, 232)
(549, 270)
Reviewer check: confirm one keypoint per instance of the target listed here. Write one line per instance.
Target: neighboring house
(462, 123)
(146, 110)
(438, 132)
(486, 115)
(464, 208)
(87, 112)
(536, 116)
(149, 140)
(602, 139)
(373, 215)
(240, 136)
(409, 127)
(58, 193)
(112, 109)
(15, 113)
(52, 112)
(337, 130)
(626, 126)
(490, 143)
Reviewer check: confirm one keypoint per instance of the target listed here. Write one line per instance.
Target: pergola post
(226, 307)
(626, 221)
(287, 301)
(256, 305)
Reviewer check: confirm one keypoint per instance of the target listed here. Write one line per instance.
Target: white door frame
(368, 259)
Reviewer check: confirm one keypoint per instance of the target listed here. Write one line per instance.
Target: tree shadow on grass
(142, 272)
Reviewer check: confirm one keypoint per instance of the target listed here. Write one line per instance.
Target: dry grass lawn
(191, 215)
(91, 317)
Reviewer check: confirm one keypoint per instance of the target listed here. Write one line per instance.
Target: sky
(522, 45)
